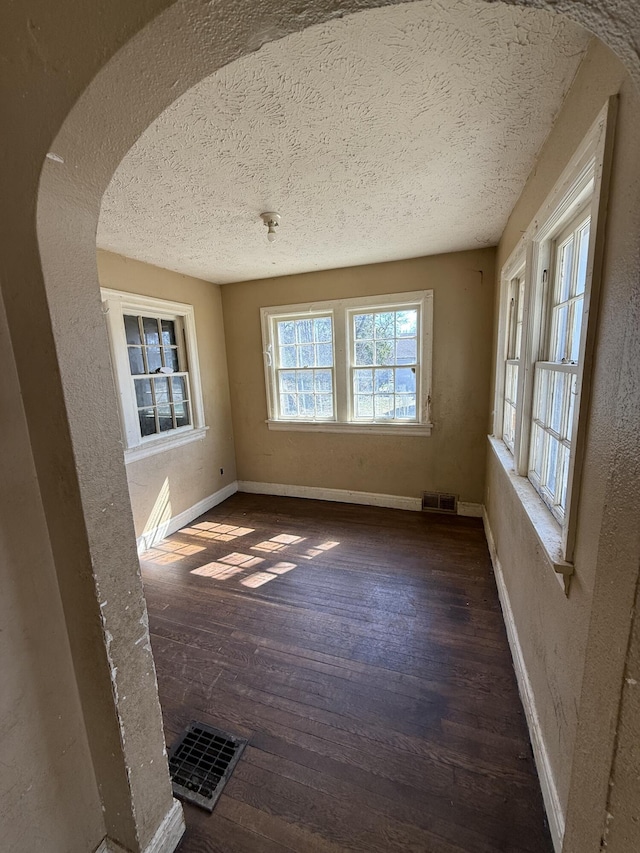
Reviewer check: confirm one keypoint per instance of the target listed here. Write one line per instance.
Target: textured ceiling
(393, 133)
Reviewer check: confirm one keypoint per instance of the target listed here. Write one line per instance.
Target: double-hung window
(350, 365)
(155, 362)
(548, 308)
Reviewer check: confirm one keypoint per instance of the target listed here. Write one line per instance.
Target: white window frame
(341, 311)
(581, 189)
(116, 304)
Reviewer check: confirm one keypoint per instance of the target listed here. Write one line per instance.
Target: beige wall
(574, 648)
(450, 460)
(48, 794)
(191, 471)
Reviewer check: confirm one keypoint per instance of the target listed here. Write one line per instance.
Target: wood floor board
(362, 653)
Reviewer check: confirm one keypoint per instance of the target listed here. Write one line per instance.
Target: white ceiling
(393, 133)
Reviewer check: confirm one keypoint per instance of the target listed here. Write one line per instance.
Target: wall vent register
(439, 502)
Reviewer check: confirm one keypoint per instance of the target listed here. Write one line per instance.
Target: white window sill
(160, 445)
(547, 529)
(332, 426)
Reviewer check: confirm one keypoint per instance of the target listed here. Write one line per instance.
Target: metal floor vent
(439, 502)
(200, 763)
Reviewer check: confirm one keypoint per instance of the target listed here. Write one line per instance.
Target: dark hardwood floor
(362, 652)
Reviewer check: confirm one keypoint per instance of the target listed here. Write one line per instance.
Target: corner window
(154, 356)
(361, 365)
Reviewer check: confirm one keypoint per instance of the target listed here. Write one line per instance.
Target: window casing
(547, 325)
(155, 363)
(350, 365)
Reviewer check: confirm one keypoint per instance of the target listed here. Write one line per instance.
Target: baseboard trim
(166, 838)
(150, 537)
(553, 808)
(470, 510)
(336, 495)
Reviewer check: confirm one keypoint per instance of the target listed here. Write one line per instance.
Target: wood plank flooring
(362, 652)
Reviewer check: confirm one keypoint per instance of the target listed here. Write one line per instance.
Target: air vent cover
(439, 502)
(200, 763)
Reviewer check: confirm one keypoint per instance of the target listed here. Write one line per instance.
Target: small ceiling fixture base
(271, 220)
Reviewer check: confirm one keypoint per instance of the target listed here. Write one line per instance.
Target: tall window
(556, 375)
(548, 312)
(155, 363)
(349, 365)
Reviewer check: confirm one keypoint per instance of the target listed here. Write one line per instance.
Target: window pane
(132, 329)
(363, 406)
(323, 329)
(151, 331)
(564, 476)
(136, 362)
(286, 332)
(560, 347)
(287, 381)
(168, 332)
(385, 352)
(288, 357)
(406, 351)
(384, 325)
(405, 406)
(147, 422)
(583, 253)
(143, 392)
(324, 355)
(383, 406)
(564, 273)
(304, 380)
(171, 358)
(537, 450)
(576, 328)
(182, 414)
(363, 381)
(364, 352)
(363, 325)
(405, 381)
(324, 404)
(306, 405)
(407, 323)
(306, 356)
(322, 381)
(179, 388)
(304, 331)
(289, 405)
(162, 390)
(383, 381)
(154, 360)
(557, 401)
(165, 419)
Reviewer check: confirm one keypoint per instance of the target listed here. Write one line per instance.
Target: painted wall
(48, 794)
(191, 471)
(574, 647)
(449, 460)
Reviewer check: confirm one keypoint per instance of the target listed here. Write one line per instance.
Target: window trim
(341, 311)
(583, 183)
(116, 304)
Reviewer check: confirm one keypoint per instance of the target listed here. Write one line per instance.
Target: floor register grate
(200, 763)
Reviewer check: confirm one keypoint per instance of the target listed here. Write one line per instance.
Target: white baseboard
(165, 840)
(470, 510)
(553, 808)
(150, 537)
(337, 495)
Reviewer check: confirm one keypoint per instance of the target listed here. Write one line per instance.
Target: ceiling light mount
(272, 221)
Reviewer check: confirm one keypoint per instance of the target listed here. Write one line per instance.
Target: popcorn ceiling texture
(393, 133)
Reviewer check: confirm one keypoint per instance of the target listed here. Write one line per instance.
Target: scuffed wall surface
(574, 647)
(450, 460)
(168, 483)
(424, 112)
(48, 795)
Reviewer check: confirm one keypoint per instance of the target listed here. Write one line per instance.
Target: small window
(154, 355)
(351, 364)
(513, 351)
